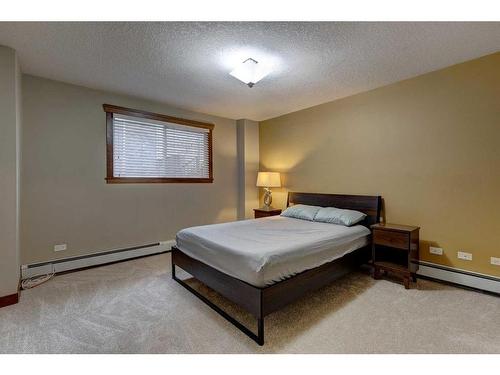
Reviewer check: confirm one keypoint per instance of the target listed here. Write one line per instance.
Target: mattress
(264, 251)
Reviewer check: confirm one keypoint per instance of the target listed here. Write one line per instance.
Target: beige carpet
(135, 307)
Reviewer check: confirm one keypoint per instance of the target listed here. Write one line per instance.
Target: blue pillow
(301, 211)
(338, 216)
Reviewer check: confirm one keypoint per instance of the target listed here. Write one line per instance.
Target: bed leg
(258, 338)
(260, 331)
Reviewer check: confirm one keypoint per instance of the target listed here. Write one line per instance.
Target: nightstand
(265, 212)
(395, 250)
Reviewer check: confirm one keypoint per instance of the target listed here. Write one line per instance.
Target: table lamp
(267, 180)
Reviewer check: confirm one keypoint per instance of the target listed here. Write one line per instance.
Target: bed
(265, 264)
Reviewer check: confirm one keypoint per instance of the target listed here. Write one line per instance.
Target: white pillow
(338, 216)
(301, 211)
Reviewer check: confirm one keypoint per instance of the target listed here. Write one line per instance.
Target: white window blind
(156, 149)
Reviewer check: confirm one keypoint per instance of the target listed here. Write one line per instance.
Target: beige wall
(248, 166)
(65, 198)
(429, 145)
(10, 124)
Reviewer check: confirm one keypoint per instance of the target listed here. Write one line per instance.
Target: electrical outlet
(463, 255)
(436, 250)
(495, 261)
(60, 247)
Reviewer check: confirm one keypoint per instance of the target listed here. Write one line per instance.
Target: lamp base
(268, 197)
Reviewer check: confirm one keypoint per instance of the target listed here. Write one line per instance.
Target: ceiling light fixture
(250, 72)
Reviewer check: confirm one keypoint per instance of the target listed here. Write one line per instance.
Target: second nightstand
(265, 212)
(395, 249)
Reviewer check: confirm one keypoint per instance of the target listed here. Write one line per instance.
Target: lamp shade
(268, 179)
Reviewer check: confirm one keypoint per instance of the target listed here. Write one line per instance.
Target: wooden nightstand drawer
(263, 212)
(392, 239)
(259, 214)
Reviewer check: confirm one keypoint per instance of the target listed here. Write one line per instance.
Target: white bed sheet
(267, 250)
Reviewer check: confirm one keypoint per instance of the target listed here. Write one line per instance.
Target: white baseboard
(435, 271)
(68, 264)
(458, 276)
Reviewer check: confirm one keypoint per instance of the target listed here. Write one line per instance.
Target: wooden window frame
(110, 179)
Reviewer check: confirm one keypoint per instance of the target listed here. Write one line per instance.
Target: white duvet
(264, 251)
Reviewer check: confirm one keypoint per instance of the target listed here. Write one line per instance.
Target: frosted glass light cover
(250, 72)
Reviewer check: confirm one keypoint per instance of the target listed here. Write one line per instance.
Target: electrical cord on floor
(37, 280)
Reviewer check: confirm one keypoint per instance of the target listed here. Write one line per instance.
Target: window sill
(159, 180)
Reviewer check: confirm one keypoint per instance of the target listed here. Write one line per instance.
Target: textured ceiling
(187, 64)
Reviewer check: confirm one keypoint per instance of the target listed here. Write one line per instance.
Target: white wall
(65, 198)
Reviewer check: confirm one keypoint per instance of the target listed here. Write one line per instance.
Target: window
(148, 147)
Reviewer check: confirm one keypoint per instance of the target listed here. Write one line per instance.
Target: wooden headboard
(368, 204)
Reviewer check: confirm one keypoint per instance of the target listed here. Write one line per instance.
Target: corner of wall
(10, 107)
(19, 122)
(248, 166)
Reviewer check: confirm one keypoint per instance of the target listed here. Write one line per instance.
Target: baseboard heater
(434, 271)
(96, 259)
(462, 277)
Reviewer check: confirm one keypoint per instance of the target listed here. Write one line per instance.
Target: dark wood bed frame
(260, 302)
